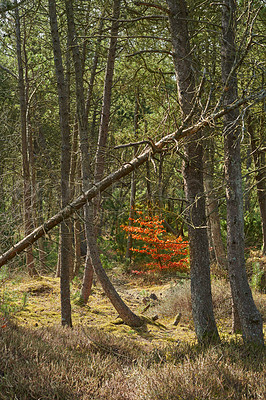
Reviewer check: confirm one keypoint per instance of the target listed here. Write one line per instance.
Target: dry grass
(99, 360)
(177, 299)
(80, 363)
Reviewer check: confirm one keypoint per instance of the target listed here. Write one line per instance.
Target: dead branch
(126, 169)
(9, 71)
(131, 144)
(143, 3)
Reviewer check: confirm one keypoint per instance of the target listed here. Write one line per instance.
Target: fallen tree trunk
(126, 169)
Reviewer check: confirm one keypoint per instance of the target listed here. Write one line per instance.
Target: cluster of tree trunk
(197, 171)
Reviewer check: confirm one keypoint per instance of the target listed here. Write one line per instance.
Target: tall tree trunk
(84, 144)
(248, 181)
(201, 297)
(160, 183)
(94, 68)
(106, 105)
(148, 184)
(93, 254)
(66, 231)
(213, 207)
(250, 318)
(133, 180)
(260, 165)
(27, 194)
(131, 213)
(74, 176)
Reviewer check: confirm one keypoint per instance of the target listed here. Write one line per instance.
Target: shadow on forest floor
(102, 359)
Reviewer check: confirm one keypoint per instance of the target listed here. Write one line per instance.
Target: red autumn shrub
(167, 253)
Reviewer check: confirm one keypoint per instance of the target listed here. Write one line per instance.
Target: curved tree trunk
(201, 297)
(123, 310)
(92, 257)
(250, 318)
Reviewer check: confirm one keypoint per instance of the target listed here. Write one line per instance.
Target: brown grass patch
(83, 363)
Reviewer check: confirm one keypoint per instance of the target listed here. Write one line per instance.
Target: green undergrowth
(35, 302)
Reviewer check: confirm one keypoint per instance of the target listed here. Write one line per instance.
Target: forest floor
(30, 322)
(35, 303)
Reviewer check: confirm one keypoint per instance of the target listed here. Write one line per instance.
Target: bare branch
(148, 17)
(150, 51)
(143, 3)
(126, 169)
(122, 146)
(9, 71)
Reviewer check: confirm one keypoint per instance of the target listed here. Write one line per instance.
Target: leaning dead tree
(127, 168)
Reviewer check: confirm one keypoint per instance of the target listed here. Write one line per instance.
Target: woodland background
(117, 98)
(154, 112)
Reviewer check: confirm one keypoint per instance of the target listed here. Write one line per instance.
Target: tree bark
(259, 161)
(27, 194)
(74, 176)
(133, 181)
(250, 318)
(94, 69)
(66, 231)
(212, 209)
(84, 144)
(201, 297)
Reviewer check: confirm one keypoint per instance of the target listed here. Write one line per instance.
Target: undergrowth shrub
(161, 252)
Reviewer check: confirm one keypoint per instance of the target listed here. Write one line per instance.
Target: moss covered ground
(102, 359)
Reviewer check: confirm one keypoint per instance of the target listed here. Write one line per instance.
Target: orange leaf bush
(167, 253)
